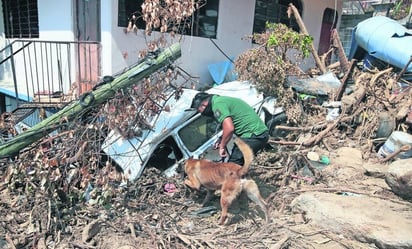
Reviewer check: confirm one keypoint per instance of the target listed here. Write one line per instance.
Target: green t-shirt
(245, 119)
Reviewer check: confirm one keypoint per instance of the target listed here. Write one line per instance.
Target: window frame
(21, 18)
(198, 131)
(278, 8)
(203, 23)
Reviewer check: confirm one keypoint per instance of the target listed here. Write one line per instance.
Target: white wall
(4, 72)
(120, 50)
(106, 17)
(55, 24)
(55, 20)
(312, 17)
(235, 21)
(313, 14)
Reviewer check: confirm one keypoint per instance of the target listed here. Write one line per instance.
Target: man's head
(200, 101)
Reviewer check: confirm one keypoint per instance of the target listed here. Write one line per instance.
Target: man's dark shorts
(255, 142)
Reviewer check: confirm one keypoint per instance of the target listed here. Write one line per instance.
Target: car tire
(280, 119)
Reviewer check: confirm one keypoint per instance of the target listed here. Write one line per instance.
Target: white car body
(180, 131)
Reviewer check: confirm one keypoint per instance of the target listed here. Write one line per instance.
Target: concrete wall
(55, 20)
(235, 22)
(120, 50)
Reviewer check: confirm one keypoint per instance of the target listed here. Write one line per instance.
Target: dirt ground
(145, 215)
(59, 193)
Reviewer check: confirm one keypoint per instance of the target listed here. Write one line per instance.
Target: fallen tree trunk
(91, 99)
(305, 32)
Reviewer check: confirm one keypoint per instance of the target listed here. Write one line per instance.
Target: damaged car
(179, 132)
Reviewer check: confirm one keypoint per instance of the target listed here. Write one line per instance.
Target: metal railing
(358, 7)
(47, 72)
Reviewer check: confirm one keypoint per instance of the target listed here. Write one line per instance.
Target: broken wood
(344, 63)
(344, 81)
(404, 69)
(316, 139)
(311, 141)
(320, 135)
(349, 102)
(326, 55)
(403, 109)
(282, 243)
(404, 148)
(333, 65)
(293, 128)
(91, 99)
(292, 9)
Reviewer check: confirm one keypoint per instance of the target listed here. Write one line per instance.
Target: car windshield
(198, 132)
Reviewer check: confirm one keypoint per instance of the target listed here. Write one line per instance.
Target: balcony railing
(48, 72)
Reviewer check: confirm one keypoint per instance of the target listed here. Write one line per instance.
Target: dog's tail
(248, 155)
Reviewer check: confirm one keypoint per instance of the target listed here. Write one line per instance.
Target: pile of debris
(64, 192)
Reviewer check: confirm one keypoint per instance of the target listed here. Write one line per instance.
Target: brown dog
(227, 177)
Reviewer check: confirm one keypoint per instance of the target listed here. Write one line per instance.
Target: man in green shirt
(236, 117)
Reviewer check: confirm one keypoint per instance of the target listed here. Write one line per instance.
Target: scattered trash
(333, 110)
(387, 125)
(348, 194)
(72, 172)
(394, 143)
(319, 86)
(324, 160)
(305, 179)
(313, 156)
(89, 189)
(170, 188)
(333, 114)
(204, 211)
(332, 104)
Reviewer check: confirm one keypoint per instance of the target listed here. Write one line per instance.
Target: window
(205, 20)
(198, 132)
(128, 8)
(21, 18)
(203, 23)
(274, 11)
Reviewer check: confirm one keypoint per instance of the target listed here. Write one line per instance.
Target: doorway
(329, 20)
(87, 29)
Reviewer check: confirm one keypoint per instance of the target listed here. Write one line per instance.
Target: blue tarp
(384, 39)
(220, 70)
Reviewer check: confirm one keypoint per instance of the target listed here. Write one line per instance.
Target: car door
(199, 135)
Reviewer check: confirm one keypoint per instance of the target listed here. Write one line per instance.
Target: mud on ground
(144, 215)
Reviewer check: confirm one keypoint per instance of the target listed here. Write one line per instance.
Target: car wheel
(277, 134)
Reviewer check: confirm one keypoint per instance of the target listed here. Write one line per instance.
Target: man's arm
(228, 129)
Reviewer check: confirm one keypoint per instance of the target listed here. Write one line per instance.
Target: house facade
(215, 32)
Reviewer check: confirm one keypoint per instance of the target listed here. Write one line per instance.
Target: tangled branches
(166, 16)
(269, 64)
(375, 97)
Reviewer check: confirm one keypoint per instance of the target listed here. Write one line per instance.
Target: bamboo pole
(305, 32)
(91, 99)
